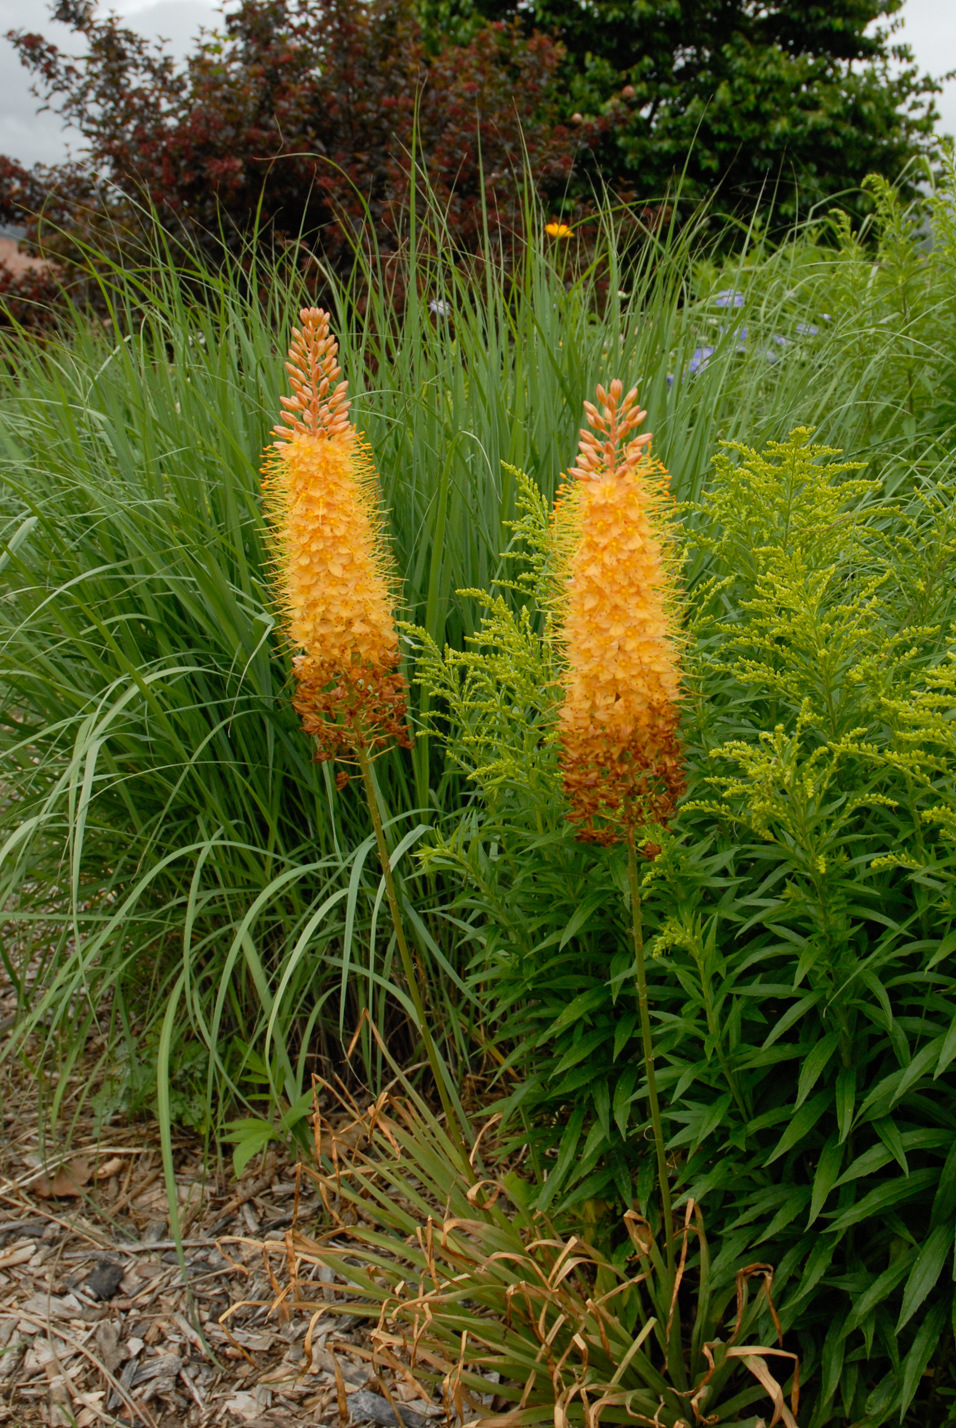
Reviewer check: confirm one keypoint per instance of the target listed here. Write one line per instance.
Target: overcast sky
(25, 135)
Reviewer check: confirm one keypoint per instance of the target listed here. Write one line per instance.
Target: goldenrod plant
(813, 1039)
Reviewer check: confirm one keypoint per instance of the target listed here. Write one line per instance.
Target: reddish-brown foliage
(303, 117)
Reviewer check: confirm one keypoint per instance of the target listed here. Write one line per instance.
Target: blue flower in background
(731, 297)
(699, 359)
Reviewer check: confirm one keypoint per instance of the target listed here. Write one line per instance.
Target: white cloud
(42, 138)
(929, 28)
(176, 20)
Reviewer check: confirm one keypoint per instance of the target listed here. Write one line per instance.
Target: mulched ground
(98, 1324)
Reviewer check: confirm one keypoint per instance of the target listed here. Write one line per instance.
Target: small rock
(368, 1407)
(105, 1280)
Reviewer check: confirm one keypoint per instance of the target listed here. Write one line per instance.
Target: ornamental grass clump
(334, 573)
(617, 628)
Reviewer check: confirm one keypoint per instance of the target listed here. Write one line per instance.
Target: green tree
(773, 98)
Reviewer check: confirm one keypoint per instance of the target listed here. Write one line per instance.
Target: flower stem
(648, 1043)
(454, 1114)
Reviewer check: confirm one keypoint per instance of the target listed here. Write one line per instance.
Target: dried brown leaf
(68, 1180)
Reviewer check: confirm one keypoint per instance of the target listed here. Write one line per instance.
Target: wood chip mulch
(98, 1324)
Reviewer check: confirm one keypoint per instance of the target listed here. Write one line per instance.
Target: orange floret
(618, 628)
(334, 575)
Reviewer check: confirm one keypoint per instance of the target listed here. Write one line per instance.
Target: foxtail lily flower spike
(333, 572)
(617, 627)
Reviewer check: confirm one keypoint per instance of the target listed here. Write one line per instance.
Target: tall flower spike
(333, 572)
(617, 627)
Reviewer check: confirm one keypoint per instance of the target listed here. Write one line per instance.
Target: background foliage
(316, 122)
(777, 104)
